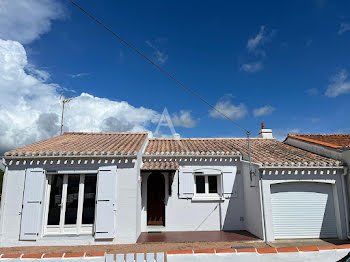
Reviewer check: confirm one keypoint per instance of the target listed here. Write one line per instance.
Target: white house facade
(107, 188)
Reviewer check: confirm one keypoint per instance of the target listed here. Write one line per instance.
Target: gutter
(262, 206)
(67, 156)
(184, 155)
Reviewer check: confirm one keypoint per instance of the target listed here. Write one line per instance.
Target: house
(107, 188)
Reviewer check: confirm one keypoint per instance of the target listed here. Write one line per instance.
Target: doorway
(156, 200)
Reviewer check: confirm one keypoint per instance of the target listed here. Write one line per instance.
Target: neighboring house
(107, 188)
(336, 146)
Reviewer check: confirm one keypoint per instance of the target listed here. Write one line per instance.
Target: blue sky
(282, 63)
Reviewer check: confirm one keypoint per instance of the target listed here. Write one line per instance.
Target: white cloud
(229, 109)
(344, 27)
(30, 108)
(338, 84)
(252, 67)
(159, 55)
(184, 119)
(254, 44)
(263, 111)
(26, 20)
(79, 75)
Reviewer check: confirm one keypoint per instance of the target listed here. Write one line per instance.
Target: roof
(156, 165)
(267, 152)
(82, 144)
(338, 141)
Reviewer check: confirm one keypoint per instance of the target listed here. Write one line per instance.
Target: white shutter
(32, 203)
(229, 183)
(106, 202)
(186, 183)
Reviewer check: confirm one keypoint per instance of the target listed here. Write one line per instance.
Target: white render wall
(127, 222)
(188, 215)
(252, 204)
(319, 256)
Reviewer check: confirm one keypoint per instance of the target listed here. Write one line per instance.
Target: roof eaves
(314, 141)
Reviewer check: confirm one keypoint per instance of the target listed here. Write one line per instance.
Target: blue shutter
(32, 203)
(186, 183)
(229, 177)
(106, 202)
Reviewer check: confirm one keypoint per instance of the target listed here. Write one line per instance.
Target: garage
(303, 210)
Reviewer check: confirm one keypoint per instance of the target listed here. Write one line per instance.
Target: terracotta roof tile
(85, 144)
(329, 140)
(156, 165)
(267, 152)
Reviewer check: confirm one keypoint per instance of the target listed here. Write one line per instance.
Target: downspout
(346, 202)
(262, 206)
(4, 185)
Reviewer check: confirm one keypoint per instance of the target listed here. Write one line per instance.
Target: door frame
(144, 178)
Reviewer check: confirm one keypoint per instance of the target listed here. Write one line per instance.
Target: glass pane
(72, 199)
(200, 184)
(213, 184)
(89, 199)
(55, 200)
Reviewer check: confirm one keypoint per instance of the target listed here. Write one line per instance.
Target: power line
(159, 67)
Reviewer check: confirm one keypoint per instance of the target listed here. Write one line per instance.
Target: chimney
(265, 133)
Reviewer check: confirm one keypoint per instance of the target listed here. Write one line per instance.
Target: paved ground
(162, 246)
(196, 236)
(135, 248)
(308, 242)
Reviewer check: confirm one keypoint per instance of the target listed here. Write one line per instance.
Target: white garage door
(303, 210)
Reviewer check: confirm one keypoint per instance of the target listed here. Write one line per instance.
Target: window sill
(69, 230)
(203, 198)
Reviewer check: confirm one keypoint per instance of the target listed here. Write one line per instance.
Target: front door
(155, 199)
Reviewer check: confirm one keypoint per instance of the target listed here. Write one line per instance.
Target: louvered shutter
(106, 202)
(186, 183)
(32, 203)
(229, 177)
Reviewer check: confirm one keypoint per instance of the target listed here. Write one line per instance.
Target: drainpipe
(262, 205)
(346, 202)
(4, 185)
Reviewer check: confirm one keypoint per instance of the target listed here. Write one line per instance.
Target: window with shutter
(71, 203)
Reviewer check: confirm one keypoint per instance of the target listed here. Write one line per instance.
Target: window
(207, 185)
(71, 204)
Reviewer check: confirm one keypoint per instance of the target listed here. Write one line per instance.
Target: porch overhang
(160, 165)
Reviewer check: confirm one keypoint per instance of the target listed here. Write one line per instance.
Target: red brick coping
(264, 250)
(57, 255)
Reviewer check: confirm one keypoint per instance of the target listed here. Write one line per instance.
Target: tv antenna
(63, 101)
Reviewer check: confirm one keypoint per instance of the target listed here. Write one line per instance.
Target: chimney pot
(265, 133)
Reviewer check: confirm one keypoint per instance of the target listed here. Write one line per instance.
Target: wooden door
(155, 199)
